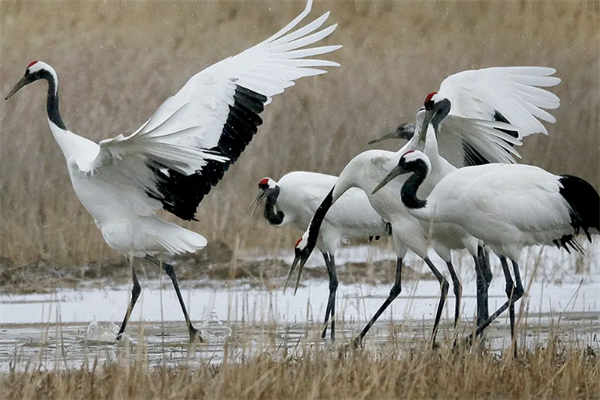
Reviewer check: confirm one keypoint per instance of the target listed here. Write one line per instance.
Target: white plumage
(501, 94)
(299, 195)
(184, 149)
(507, 206)
(464, 139)
(512, 92)
(295, 199)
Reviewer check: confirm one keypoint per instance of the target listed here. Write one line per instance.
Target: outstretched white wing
(477, 140)
(505, 94)
(467, 141)
(199, 111)
(492, 110)
(195, 135)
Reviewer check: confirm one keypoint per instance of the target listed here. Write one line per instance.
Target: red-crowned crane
(507, 206)
(488, 94)
(475, 131)
(293, 201)
(172, 161)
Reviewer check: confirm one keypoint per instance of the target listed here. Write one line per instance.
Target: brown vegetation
(554, 371)
(119, 60)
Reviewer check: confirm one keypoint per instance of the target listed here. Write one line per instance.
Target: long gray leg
(457, 288)
(135, 293)
(487, 269)
(484, 278)
(510, 291)
(394, 292)
(444, 288)
(171, 272)
(333, 285)
(516, 295)
(513, 293)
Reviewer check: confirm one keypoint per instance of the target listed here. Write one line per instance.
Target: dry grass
(119, 60)
(554, 371)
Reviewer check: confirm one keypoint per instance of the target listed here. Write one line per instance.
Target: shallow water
(69, 328)
(73, 342)
(61, 346)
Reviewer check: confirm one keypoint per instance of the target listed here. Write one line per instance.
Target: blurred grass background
(118, 61)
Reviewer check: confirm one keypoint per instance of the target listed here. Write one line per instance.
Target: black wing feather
(180, 194)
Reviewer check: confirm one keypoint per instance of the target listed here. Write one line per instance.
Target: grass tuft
(311, 372)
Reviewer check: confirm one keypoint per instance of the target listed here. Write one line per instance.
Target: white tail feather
(172, 237)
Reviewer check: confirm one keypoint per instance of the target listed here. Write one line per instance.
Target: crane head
(437, 107)
(34, 71)
(429, 101)
(410, 161)
(405, 131)
(266, 183)
(302, 252)
(264, 187)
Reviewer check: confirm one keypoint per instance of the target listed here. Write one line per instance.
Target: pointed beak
(256, 202)
(423, 129)
(287, 281)
(394, 173)
(391, 135)
(404, 131)
(299, 262)
(300, 267)
(24, 81)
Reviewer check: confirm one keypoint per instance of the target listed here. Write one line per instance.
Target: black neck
(52, 103)
(410, 187)
(317, 219)
(271, 214)
(443, 108)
